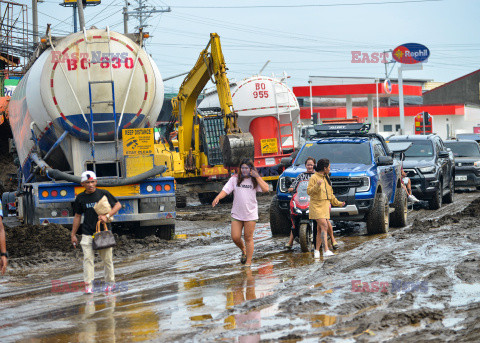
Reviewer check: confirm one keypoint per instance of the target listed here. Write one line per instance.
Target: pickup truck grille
(341, 185)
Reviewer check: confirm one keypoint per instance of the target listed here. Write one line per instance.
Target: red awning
(355, 91)
(362, 112)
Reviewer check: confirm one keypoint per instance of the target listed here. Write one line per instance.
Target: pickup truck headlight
(476, 164)
(427, 170)
(281, 185)
(365, 184)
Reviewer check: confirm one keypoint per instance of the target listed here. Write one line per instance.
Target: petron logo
(410, 53)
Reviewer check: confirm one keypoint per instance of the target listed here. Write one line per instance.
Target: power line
(311, 5)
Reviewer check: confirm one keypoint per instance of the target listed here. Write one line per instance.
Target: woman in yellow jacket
(321, 196)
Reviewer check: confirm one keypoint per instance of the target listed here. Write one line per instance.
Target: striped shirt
(302, 177)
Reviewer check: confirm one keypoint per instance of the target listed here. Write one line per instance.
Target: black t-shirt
(84, 204)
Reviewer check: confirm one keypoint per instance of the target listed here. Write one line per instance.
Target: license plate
(269, 161)
(460, 177)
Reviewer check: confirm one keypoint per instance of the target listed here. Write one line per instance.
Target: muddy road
(419, 283)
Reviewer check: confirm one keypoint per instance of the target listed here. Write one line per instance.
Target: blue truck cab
(364, 174)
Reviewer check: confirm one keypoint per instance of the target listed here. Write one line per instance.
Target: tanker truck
(89, 102)
(268, 109)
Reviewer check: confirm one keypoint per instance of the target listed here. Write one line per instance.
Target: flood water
(198, 291)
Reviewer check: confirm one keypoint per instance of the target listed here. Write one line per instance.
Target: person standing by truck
(244, 186)
(321, 196)
(3, 244)
(84, 205)
(310, 165)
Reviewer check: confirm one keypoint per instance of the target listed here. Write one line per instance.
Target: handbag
(103, 239)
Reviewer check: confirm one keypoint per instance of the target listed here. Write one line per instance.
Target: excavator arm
(209, 66)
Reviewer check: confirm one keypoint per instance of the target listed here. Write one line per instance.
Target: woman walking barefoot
(321, 196)
(244, 186)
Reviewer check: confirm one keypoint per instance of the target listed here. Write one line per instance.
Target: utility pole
(145, 11)
(35, 22)
(81, 17)
(125, 17)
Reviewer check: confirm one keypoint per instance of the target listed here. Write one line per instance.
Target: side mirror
(443, 154)
(384, 161)
(286, 161)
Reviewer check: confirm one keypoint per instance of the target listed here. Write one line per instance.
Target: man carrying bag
(85, 204)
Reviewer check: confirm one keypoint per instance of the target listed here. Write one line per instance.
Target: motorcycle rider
(310, 165)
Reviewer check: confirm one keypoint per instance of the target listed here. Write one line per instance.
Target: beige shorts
(237, 220)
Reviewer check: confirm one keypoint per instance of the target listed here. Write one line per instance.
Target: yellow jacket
(319, 193)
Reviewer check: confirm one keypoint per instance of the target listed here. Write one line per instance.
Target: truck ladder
(91, 84)
(283, 107)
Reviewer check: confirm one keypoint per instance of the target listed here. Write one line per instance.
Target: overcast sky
(301, 37)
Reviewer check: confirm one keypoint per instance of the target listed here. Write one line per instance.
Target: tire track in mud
(422, 252)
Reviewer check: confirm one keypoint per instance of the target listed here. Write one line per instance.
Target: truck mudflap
(166, 218)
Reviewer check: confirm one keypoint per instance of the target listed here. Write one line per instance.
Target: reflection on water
(241, 291)
(320, 320)
(106, 319)
(191, 235)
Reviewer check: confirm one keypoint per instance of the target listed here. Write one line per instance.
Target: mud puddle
(416, 283)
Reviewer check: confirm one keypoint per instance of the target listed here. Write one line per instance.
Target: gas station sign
(410, 53)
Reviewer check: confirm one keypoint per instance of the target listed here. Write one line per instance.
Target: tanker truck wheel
(207, 197)
(181, 201)
(236, 147)
(166, 232)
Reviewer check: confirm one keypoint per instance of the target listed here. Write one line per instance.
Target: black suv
(430, 167)
(467, 162)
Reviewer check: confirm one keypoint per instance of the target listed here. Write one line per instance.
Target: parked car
(430, 167)
(364, 174)
(467, 162)
(468, 137)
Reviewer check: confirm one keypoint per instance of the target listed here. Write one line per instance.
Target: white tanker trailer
(268, 109)
(69, 113)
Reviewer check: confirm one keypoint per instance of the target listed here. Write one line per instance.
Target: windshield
(341, 152)
(419, 149)
(464, 149)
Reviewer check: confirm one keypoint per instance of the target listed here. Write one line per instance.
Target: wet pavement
(413, 284)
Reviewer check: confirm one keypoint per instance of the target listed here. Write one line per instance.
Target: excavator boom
(235, 145)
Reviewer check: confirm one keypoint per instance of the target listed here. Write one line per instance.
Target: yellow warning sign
(269, 145)
(137, 141)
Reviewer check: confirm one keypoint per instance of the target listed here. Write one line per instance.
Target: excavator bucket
(237, 147)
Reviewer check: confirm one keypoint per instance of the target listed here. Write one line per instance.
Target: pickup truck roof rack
(355, 129)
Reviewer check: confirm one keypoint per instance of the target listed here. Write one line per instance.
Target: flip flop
(335, 246)
(243, 259)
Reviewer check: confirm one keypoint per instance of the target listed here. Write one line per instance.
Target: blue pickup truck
(364, 174)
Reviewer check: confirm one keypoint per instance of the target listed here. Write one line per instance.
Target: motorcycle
(303, 227)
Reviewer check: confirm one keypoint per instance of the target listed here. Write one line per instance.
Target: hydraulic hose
(59, 175)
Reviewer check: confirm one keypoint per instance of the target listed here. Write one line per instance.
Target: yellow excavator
(199, 148)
